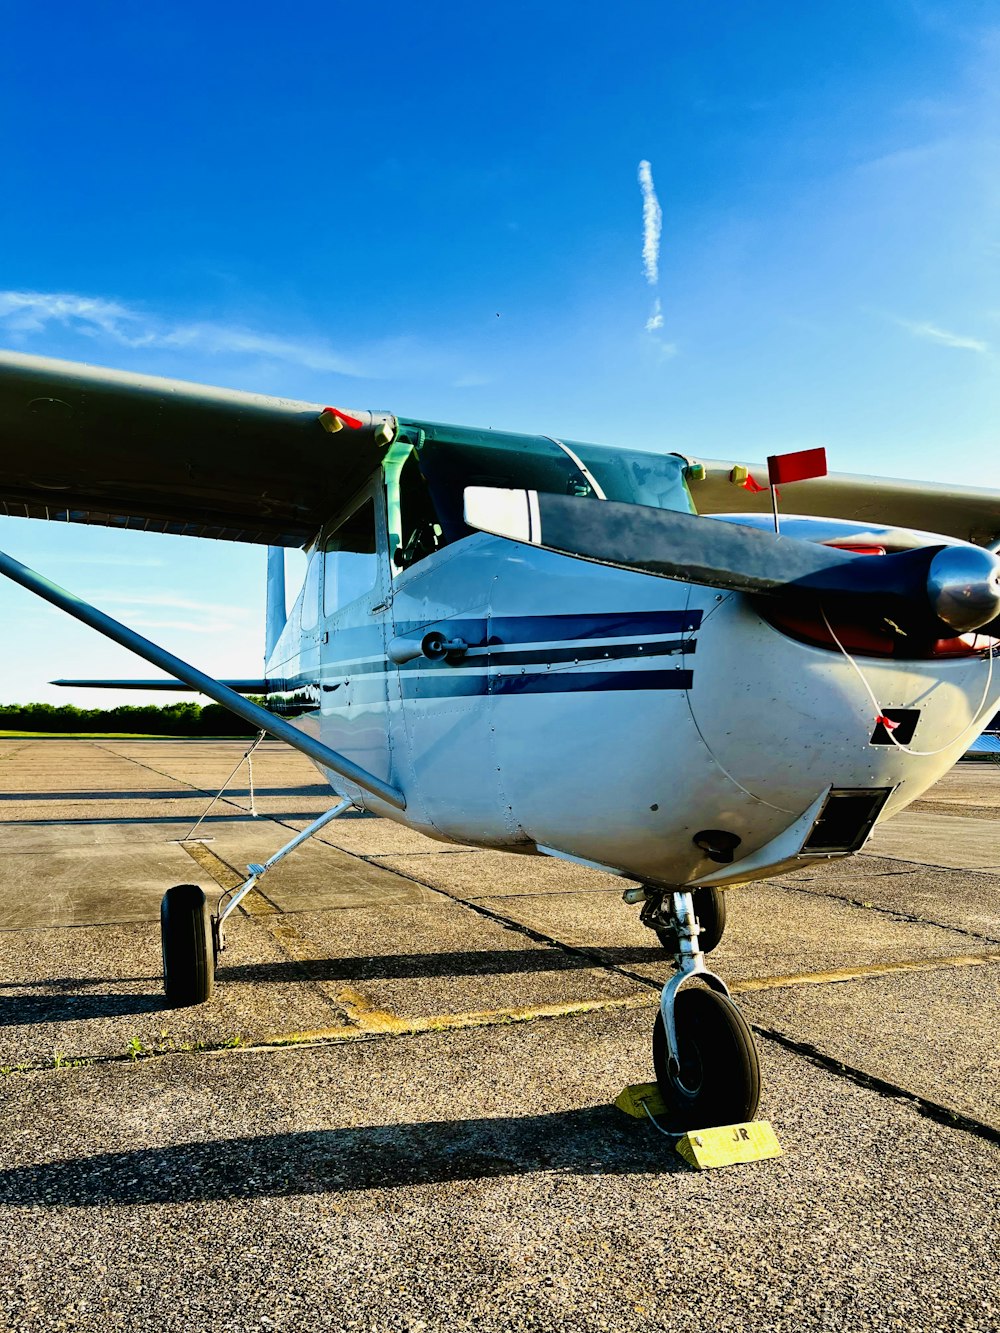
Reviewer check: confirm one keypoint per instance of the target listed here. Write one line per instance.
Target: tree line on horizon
(180, 719)
(183, 719)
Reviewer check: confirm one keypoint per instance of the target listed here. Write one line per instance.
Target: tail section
(276, 614)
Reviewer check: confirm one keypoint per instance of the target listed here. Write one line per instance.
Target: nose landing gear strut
(704, 1055)
(709, 908)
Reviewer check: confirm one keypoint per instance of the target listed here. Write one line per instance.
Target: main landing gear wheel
(718, 1082)
(710, 909)
(188, 948)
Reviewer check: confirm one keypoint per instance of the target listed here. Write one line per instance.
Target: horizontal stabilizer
(238, 686)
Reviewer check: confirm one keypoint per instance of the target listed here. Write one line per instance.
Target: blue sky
(436, 209)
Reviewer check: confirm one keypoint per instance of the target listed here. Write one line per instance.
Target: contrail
(652, 224)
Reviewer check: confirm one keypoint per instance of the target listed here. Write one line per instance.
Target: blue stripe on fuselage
(508, 633)
(448, 685)
(608, 625)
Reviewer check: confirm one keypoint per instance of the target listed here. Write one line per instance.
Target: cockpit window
(449, 458)
(420, 532)
(479, 459)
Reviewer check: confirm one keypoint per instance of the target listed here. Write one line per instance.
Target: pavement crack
(942, 1115)
(181, 782)
(909, 918)
(985, 812)
(594, 956)
(865, 973)
(366, 1023)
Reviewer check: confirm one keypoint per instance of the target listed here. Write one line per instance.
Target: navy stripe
(609, 625)
(448, 686)
(564, 682)
(541, 629)
(607, 651)
(611, 652)
(353, 641)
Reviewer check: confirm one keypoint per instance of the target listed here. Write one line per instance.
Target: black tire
(710, 909)
(188, 953)
(720, 1069)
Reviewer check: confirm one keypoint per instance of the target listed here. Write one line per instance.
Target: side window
(350, 559)
(310, 593)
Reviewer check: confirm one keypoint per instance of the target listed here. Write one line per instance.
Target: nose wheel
(706, 1062)
(716, 1080)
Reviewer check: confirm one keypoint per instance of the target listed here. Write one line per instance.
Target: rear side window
(310, 593)
(350, 556)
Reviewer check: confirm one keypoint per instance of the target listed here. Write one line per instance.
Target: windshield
(453, 457)
(638, 478)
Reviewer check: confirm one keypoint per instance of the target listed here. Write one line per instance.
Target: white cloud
(655, 320)
(32, 312)
(652, 224)
(193, 627)
(219, 338)
(944, 336)
(164, 599)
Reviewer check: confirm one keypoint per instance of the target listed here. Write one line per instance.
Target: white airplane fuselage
(609, 716)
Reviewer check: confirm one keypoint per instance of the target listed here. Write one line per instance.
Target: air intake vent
(847, 817)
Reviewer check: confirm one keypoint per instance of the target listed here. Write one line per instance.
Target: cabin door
(355, 611)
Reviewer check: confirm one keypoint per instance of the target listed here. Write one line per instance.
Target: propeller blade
(934, 588)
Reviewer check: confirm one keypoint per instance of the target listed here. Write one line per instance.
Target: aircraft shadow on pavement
(25, 1010)
(71, 999)
(471, 963)
(595, 1140)
(171, 794)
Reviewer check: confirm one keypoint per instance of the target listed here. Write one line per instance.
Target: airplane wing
(969, 513)
(82, 444)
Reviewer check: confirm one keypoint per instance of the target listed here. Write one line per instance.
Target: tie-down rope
(246, 759)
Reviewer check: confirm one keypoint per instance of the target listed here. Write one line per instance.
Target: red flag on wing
(800, 466)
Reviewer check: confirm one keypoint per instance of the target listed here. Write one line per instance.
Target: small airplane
(624, 659)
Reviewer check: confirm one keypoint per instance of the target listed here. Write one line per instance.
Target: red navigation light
(335, 418)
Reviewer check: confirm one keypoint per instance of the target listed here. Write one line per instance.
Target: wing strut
(252, 713)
